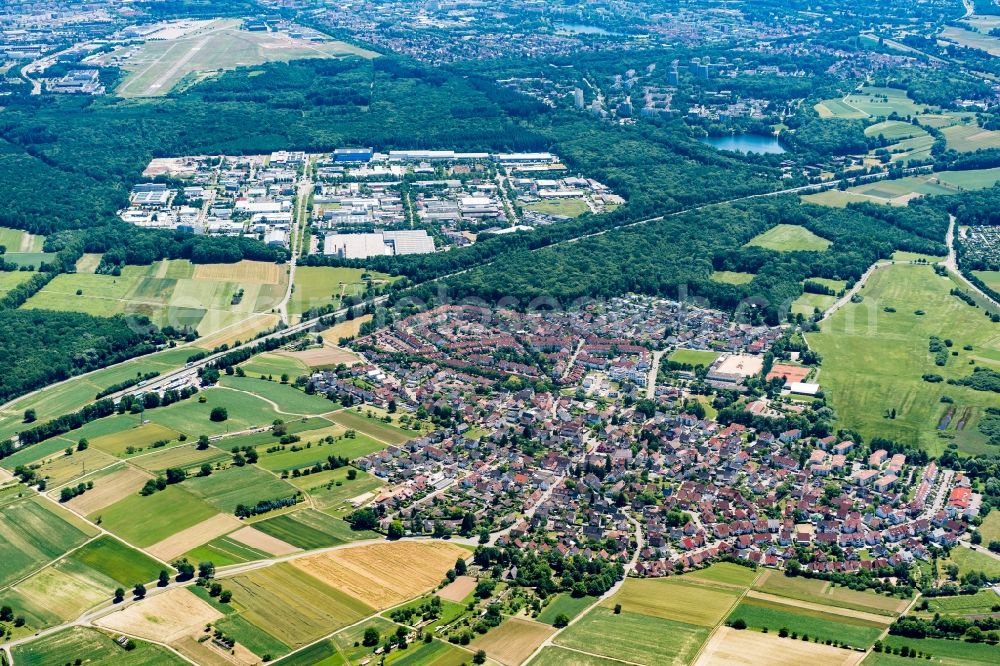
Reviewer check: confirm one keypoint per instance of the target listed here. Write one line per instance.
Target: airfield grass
(759, 614)
(159, 66)
(823, 592)
(274, 365)
(238, 485)
(790, 238)
(319, 286)
(268, 597)
(144, 521)
(563, 604)
(564, 207)
(288, 398)
(873, 361)
(732, 277)
(309, 529)
(34, 533)
(95, 648)
(634, 637)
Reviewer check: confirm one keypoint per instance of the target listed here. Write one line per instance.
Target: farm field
(790, 238)
(309, 529)
(319, 286)
(72, 395)
(903, 255)
(309, 452)
(974, 40)
(991, 278)
(981, 602)
(457, 590)
(35, 533)
(183, 540)
(331, 491)
(224, 551)
(557, 656)
(163, 617)
(29, 259)
(16, 240)
(138, 437)
(159, 66)
(273, 364)
(564, 604)
(942, 651)
(241, 331)
(513, 641)
(96, 647)
(971, 137)
(895, 130)
(823, 592)
(760, 613)
(694, 357)
(247, 485)
(348, 328)
(724, 573)
(732, 277)
(900, 191)
(675, 599)
(61, 468)
(117, 561)
(870, 101)
(745, 648)
(110, 485)
(384, 574)
(640, 639)
(163, 514)
(267, 597)
(990, 529)
(185, 456)
(874, 360)
(375, 428)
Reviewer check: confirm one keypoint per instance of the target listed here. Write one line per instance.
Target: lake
(746, 143)
(580, 29)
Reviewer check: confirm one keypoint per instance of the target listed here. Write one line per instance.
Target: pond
(581, 29)
(746, 143)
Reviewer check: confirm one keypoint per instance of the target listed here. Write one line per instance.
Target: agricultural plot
(384, 574)
(557, 656)
(990, 529)
(191, 417)
(348, 328)
(459, 589)
(641, 639)
(273, 364)
(145, 521)
(257, 540)
(225, 551)
(372, 427)
(157, 67)
(30, 259)
(879, 102)
(745, 648)
(62, 468)
(251, 637)
(838, 108)
(892, 192)
(241, 331)
(186, 539)
(732, 277)
(163, 617)
(823, 592)
(513, 641)
(982, 602)
(970, 138)
(970, 39)
(305, 454)
(56, 594)
(136, 438)
(564, 604)
(268, 597)
(943, 651)
(230, 487)
(675, 599)
(874, 360)
(346, 641)
(35, 533)
(15, 240)
(760, 614)
(895, 130)
(116, 561)
(94, 647)
(323, 358)
(309, 529)
(332, 491)
(724, 573)
(184, 457)
(288, 399)
(790, 238)
(11, 279)
(435, 653)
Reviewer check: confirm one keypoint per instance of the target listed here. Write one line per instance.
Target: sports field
(173, 292)
(790, 238)
(158, 66)
(873, 360)
(731, 277)
(564, 207)
(694, 357)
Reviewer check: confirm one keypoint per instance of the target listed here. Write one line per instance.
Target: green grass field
(238, 485)
(694, 357)
(870, 101)
(319, 286)
(675, 599)
(137, 437)
(309, 529)
(725, 573)
(974, 560)
(732, 277)
(637, 638)
(331, 490)
(288, 398)
(990, 529)
(790, 238)
(375, 428)
(273, 365)
(565, 207)
(254, 638)
(982, 602)
(873, 360)
(184, 457)
(557, 656)
(117, 561)
(34, 533)
(807, 304)
(759, 614)
(16, 240)
(225, 551)
(942, 651)
(145, 521)
(9, 280)
(563, 604)
(822, 592)
(95, 648)
(895, 130)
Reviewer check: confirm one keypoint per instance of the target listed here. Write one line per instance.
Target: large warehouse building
(378, 244)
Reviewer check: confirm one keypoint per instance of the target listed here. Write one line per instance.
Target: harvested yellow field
(513, 641)
(194, 536)
(384, 574)
(64, 595)
(109, 489)
(322, 357)
(458, 590)
(242, 331)
(345, 329)
(256, 539)
(204, 654)
(246, 272)
(729, 647)
(164, 617)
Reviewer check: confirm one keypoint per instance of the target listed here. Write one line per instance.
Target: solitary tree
(479, 657)
(371, 637)
(218, 414)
